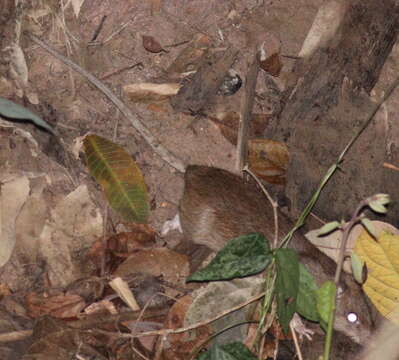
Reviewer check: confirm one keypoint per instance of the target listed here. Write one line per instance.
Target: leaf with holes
(119, 176)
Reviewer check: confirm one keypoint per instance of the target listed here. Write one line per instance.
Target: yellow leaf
(119, 176)
(382, 260)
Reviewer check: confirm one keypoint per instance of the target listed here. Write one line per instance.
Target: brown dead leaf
(174, 267)
(268, 159)
(175, 319)
(59, 306)
(125, 243)
(228, 122)
(272, 65)
(183, 343)
(121, 246)
(152, 45)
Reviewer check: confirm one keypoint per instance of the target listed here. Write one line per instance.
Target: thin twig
(162, 152)
(109, 38)
(247, 102)
(296, 342)
(99, 28)
(272, 202)
(165, 332)
(345, 236)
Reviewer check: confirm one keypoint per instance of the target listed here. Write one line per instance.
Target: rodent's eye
(352, 317)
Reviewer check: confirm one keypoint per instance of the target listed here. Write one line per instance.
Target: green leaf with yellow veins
(382, 259)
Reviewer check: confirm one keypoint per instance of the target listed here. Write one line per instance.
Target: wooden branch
(246, 111)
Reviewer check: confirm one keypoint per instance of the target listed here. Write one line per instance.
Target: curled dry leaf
(121, 287)
(147, 92)
(268, 159)
(152, 45)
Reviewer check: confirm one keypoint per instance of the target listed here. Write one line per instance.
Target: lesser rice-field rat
(217, 206)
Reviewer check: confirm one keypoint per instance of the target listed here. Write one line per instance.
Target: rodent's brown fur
(217, 206)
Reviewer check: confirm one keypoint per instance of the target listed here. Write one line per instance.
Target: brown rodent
(217, 206)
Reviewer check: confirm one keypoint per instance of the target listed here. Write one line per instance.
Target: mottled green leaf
(242, 256)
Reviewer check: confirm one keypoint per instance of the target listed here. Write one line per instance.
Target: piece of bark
(327, 105)
(196, 94)
(246, 111)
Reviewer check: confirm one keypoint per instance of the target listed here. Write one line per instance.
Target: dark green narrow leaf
(287, 283)
(11, 110)
(242, 256)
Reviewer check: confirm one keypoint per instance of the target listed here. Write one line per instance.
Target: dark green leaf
(287, 283)
(232, 351)
(306, 301)
(11, 110)
(242, 256)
